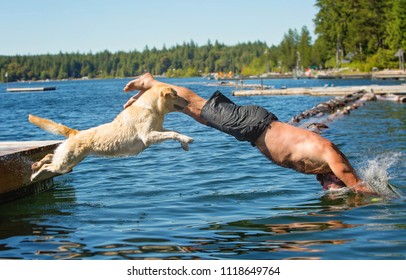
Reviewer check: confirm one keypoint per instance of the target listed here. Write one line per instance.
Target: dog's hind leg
(66, 156)
(46, 171)
(37, 165)
(59, 164)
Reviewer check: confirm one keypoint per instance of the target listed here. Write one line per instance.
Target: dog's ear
(163, 91)
(168, 91)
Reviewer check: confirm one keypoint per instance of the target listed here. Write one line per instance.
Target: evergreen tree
(396, 24)
(305, 48)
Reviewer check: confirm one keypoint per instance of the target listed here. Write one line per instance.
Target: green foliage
(368, 32)
(184, 60)
(383, 58)
(256, 66)
(396, 25)
(180, 61)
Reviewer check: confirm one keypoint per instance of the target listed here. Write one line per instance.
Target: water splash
(375, 173)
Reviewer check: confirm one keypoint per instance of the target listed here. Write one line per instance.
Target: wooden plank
(389, 75)
(20, 146)
(396, 89)
(16, 159)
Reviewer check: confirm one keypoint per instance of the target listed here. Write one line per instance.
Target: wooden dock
(333, 91)
(30, 89)
(389, 75)
(16, 159)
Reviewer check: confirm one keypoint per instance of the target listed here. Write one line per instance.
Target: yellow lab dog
(131, 132)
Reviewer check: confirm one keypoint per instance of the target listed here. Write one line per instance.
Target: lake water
(220, 200)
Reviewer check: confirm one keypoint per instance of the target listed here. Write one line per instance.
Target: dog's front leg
(160, 136)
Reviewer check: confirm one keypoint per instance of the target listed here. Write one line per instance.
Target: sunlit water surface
(220, 200)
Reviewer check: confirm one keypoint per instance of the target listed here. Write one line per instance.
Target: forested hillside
(360, 34)
(366, 32)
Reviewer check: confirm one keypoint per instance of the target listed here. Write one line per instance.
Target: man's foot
(143, 82)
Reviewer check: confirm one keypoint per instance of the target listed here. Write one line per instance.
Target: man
(284, 144)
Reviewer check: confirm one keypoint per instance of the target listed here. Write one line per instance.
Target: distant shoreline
(382, 75)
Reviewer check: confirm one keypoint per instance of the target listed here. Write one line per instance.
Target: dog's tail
(52, 127)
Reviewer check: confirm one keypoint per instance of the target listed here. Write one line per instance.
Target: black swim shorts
(246, 123)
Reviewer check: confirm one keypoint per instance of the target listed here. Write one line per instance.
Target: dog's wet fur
(131, 132)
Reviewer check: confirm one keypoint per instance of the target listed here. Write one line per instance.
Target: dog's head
(162, 99)
(169, 100)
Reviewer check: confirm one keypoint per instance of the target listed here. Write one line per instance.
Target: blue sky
(50, 26)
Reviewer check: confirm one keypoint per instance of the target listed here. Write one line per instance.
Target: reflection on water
(32, 226)
(38, 223)
(29, 221)
(220, 200)
(274, 238)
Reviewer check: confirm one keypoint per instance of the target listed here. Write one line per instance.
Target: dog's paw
(34, 176)
(185, 146)
(44, 173)
(185, 140)
(189, 139)
(35, 166)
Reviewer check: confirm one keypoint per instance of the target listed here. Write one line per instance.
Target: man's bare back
(284, 144)
(309, 153)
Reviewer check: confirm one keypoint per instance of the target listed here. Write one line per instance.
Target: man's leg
(147, 81)
(141, 83)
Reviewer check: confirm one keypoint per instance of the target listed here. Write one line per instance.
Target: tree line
(360, 34)
(186, 60)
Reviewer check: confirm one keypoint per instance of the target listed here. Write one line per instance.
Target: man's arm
(343, 170)
(133, 98)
